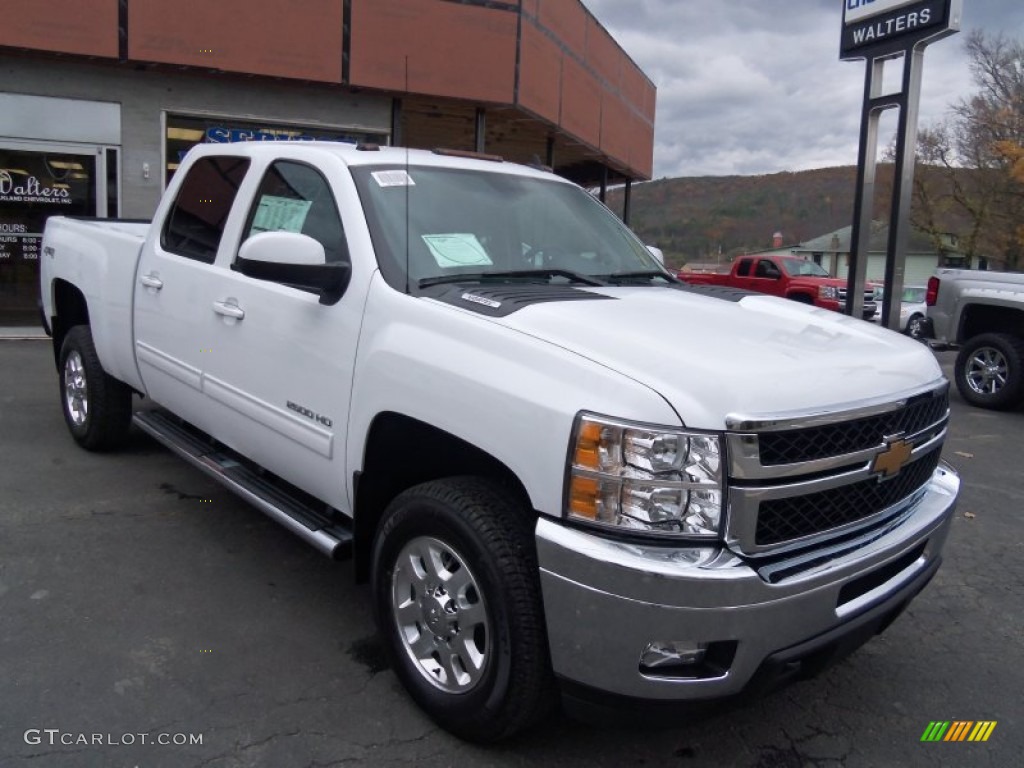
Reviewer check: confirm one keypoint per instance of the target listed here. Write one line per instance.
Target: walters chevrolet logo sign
(868, 23)
(21, 187)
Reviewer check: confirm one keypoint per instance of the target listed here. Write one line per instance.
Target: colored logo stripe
(958, 730)
(982, 730)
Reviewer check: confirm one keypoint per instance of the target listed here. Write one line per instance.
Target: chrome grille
(797, 480)
(781, 520)
(869, 296)
(795, 445)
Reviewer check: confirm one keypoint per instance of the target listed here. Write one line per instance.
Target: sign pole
(880, 31)
(903, 185)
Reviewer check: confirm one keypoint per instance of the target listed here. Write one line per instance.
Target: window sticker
(458, 249)
(280, 214)
(393, 179)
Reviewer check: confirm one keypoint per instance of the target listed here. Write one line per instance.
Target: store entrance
(38, 181)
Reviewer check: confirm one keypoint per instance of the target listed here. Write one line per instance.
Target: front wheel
(457, 598)
(97, 407)
(989, 371)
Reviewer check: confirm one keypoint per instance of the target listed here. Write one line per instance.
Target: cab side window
(196, 219)
(295, 198)
(744, 268)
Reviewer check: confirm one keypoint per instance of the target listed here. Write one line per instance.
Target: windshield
(800, 267)
(477, 223)
(913, 295)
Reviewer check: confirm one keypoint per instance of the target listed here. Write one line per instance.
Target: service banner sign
(882, 24)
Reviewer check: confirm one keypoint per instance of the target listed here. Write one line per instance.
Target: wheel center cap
(435, 613)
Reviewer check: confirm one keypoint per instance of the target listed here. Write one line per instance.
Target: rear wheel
(989, 370)
(457, 597)
(97, 407)
(916, 327)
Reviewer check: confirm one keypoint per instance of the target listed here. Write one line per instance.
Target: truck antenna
(408, 181)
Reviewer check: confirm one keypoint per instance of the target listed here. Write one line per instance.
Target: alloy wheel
(438, 608)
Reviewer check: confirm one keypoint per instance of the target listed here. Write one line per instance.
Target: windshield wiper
(643, 274)
(472, 277)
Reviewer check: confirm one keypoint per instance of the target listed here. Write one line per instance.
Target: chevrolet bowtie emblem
(893, 457)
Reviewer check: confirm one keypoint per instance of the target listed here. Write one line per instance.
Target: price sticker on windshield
(398, 178)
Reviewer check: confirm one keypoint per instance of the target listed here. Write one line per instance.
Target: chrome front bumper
(606, 600)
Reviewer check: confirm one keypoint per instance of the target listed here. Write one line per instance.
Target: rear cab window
(195, 222)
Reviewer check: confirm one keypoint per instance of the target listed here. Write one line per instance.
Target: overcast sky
(756, 86)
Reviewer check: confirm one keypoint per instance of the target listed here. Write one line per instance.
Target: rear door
(767, 278)
(176, 286)
(741, 279)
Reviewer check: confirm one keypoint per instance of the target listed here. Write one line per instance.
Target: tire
(989, 371)
(800, 298)
(456, 592)
(97, 407)
(916, 327)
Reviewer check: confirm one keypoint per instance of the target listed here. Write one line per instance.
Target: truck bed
(99, 257)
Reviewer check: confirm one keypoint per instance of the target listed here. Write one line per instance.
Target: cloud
(756, 86)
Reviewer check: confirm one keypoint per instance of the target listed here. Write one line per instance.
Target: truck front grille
(869, 296)
(795, 445)
(800, 481)
(781, 520)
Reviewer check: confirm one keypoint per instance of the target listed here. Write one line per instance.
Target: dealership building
(100, 99)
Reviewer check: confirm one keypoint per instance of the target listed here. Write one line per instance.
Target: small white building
(832, 251)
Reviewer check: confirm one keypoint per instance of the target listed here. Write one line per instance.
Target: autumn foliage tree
(971, 167)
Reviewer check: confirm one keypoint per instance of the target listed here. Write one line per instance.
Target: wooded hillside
(695, 219)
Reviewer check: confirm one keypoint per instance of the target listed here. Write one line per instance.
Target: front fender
(508, 393)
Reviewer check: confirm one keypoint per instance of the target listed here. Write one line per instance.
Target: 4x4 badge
(892, 458)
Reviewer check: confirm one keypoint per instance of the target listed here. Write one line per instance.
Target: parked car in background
(913, 311)
(788, 277)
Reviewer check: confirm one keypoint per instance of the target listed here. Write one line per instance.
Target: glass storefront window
(184, 132)
(34, 186)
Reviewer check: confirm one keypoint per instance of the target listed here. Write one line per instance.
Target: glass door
(38, 181)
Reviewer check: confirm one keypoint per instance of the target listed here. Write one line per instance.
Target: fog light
(658, 656)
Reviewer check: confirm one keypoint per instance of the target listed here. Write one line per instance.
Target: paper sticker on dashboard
(280, 214)
(457, 249)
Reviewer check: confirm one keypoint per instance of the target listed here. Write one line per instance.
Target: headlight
(645, 479)
(828, 292)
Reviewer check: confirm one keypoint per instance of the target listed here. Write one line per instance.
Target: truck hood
(714, 357)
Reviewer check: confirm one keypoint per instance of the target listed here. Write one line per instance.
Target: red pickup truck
(787, 276)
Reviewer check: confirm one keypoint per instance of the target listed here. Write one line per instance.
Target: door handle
(228, 309)
(152, 281)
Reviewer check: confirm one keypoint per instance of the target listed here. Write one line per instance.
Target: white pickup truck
(563, 471)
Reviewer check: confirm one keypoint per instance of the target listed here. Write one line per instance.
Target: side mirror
(657, 254)
(296, 260)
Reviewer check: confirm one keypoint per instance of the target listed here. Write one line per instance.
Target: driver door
(281, 362)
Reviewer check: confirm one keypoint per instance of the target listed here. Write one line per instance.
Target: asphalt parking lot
(141, 602)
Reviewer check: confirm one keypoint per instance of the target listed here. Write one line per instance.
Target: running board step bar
(279, 503)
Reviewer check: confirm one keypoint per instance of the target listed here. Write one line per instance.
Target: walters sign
(879, 24)
(21, 187)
